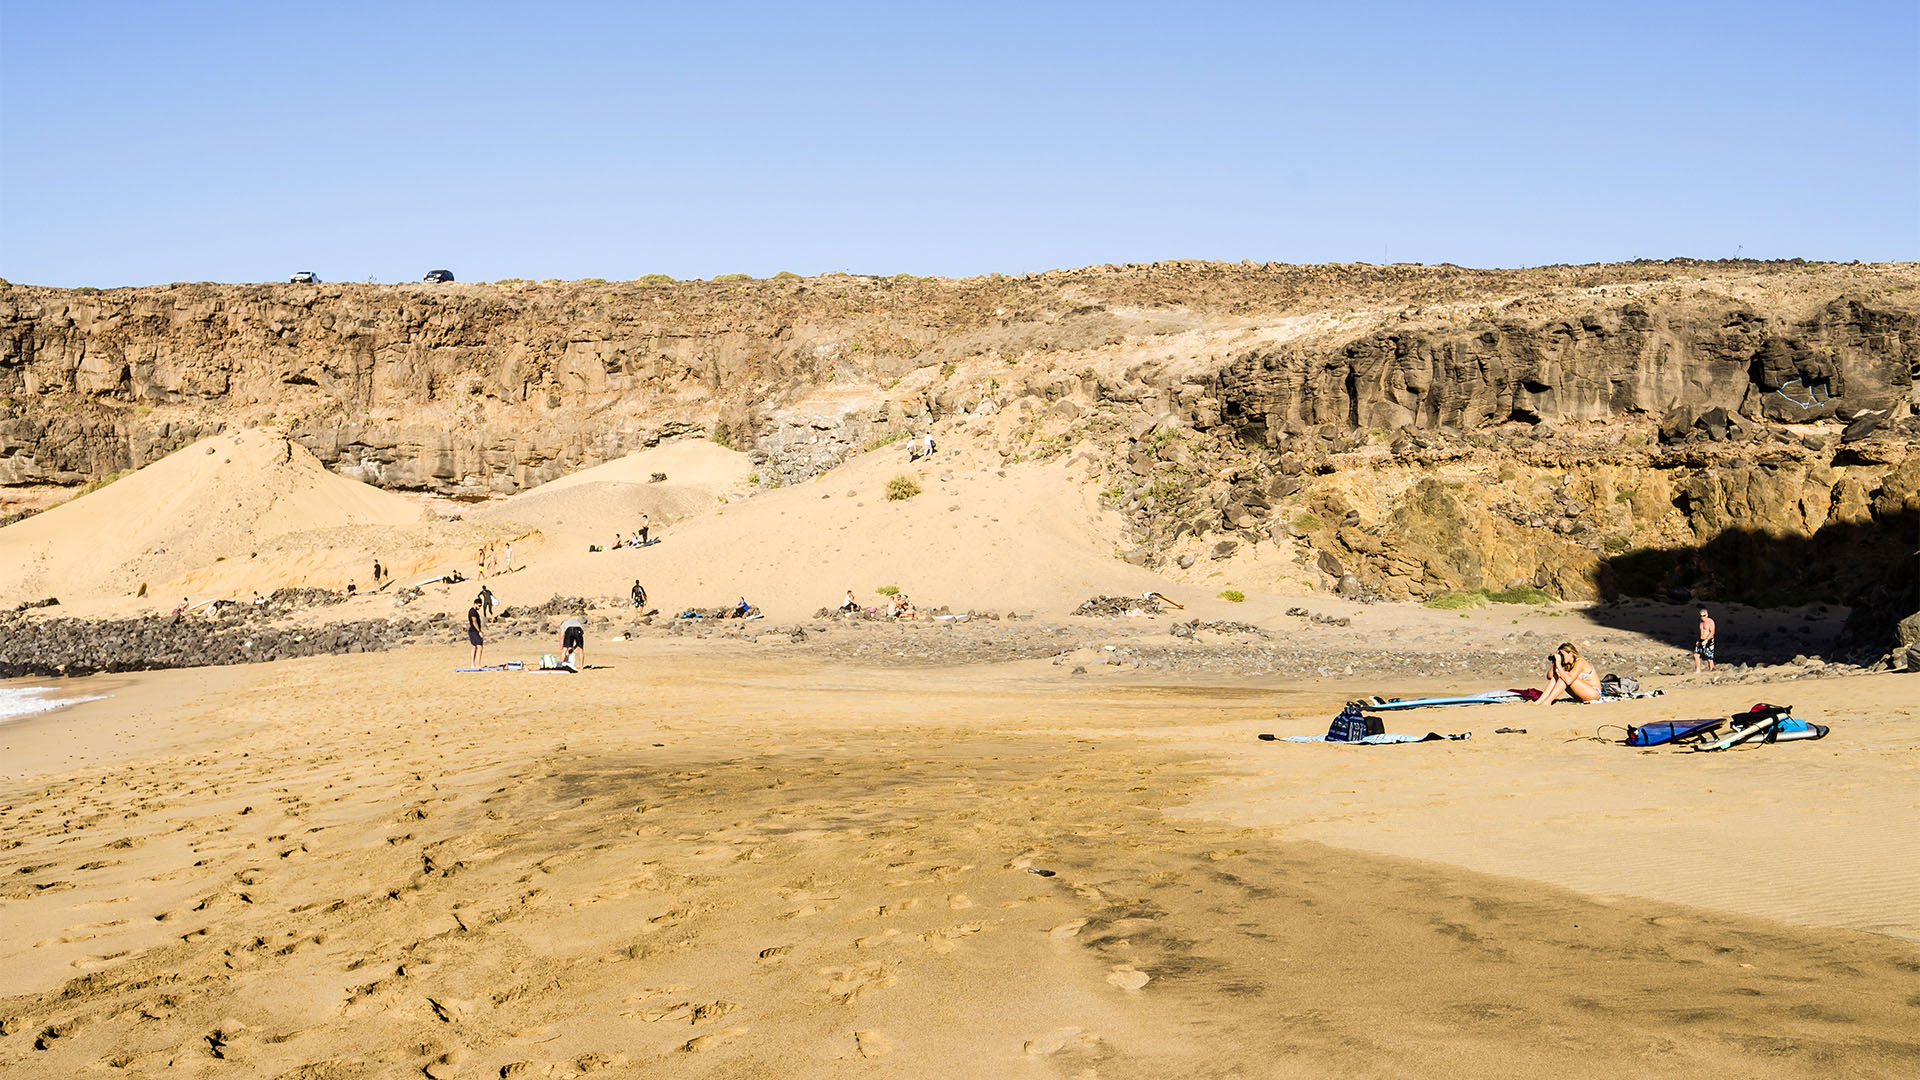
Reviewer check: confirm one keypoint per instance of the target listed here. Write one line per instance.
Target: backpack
(1352, 725)
(1619, 686)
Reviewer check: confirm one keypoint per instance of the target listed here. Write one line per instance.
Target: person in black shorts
(573, 644)
(475, 637)
(639, 594)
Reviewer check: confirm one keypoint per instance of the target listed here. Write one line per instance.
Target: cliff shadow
(1836, 594)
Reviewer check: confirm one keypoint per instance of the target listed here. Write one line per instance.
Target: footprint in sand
(1060, 1039)
(1127, 977)
(872, 1044)
(1066, 930)
(847, 985)
(703, 1043)
(959, 902)
(872, 940)
(775, 954)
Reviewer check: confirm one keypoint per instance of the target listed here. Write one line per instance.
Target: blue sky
(155, 142)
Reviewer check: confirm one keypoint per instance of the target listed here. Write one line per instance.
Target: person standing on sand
(644, 526)
(639, 594)
(573, 644)
(475, 637)
(1703, 645)
(509, 559)
(1571, 674)
(376, 571)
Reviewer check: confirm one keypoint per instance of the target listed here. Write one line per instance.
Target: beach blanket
(1370, 740)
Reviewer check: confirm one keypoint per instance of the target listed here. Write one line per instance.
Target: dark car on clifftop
(437, 277)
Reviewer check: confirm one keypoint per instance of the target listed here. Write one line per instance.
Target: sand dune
(218, 499)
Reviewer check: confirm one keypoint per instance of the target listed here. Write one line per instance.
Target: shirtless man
(1703, 645)
(476, 636)
(1571, 674)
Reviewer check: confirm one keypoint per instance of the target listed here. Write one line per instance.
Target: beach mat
(1386, 739)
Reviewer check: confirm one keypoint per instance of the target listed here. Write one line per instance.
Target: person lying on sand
(1570, 673)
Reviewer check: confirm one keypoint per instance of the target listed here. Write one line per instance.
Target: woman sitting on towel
(1572, 674)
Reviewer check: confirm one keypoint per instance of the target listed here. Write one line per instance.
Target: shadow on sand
(1799, 590)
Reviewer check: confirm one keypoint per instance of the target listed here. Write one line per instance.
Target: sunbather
(1571, 674)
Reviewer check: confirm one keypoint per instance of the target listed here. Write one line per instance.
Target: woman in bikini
(1570, 673)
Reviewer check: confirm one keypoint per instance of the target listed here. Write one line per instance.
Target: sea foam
(19, 701)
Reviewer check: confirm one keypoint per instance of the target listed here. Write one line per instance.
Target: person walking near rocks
(476, 637)
(376, 571)
(638, 593)
(484, 601)
(1703, 644)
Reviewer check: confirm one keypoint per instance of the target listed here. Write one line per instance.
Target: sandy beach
(706, 858)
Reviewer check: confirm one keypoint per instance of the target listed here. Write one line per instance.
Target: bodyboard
(1662, 732)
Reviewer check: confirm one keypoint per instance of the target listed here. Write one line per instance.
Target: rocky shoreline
(1305, 646)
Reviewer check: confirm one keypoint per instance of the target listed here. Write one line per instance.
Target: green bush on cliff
(1522, 594)
(1473, 598)
(902, 487)
(725, 279)
(1232, 596)
(654, 279)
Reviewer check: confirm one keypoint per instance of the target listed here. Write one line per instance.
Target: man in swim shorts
(573, 644)
(1703, 645)
(475, 637)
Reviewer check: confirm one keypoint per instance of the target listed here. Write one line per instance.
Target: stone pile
(1115, 606)
(73, 647)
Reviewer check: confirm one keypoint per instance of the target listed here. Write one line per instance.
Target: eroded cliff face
(1365, 417)
(1635, 359)
(478, 388)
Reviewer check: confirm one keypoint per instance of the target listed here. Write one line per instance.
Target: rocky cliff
(1404, 429)
(492, 388)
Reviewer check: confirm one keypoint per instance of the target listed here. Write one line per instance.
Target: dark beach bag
(1352, 725)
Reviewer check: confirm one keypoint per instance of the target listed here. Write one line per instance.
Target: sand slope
(1024, 537)
(222, 497)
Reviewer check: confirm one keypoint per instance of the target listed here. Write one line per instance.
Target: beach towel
(1371, 740)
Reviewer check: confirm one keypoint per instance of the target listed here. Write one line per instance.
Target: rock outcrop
(465, 389)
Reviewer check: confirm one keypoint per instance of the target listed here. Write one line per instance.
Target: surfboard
(1388, 705)
(1759, 731)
